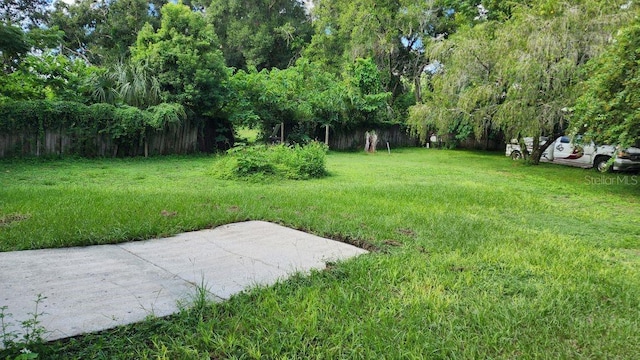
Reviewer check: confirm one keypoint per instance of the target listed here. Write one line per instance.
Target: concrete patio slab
(95, 288)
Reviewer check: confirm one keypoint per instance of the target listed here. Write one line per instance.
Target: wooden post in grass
(281, 133)
(326, 134)
(366, 141)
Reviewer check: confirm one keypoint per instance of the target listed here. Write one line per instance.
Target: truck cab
(575, 152)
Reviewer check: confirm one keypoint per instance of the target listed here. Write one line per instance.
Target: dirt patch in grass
(392, 243)
(6, 220)
(363, 244)
(407, 232)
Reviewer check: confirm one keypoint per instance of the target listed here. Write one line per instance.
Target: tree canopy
(184, 55)
(518, 76)
(13, 45)
(101, 31)
(608, 111)
(28, 13)
(483, 69)
(263, 34)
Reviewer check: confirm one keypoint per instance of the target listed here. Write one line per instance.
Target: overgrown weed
(261, 162)
(20, 345)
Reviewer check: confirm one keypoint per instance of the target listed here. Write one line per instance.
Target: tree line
(455, 68)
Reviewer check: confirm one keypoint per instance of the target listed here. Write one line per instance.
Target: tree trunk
(418, 88)
(536, 153)
(523, 148)
(538, 150)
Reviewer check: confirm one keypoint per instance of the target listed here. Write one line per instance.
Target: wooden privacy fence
(173, 139)
(396, 135)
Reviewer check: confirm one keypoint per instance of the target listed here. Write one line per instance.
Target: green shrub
(286, 162)
(252, 160)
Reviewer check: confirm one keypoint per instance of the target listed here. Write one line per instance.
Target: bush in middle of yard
(280, 161)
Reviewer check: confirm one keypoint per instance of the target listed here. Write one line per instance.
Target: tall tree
(517, 76)
(101, 31)
(306, 97)
(125, 18)
(608, 109)
(366, 95)
(260, 33)
(394, 34)
(465, 90)
(184, 54)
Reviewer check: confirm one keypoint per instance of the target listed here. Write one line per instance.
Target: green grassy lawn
(477, 256)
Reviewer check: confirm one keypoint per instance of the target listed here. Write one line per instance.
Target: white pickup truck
(586, 155)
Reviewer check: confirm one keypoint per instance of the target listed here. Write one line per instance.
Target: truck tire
(516, 155)
(600, 164)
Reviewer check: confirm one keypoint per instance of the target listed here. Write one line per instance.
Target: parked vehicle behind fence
(574, 152)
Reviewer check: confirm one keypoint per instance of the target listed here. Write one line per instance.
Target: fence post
(281, 133)
(326, 135)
